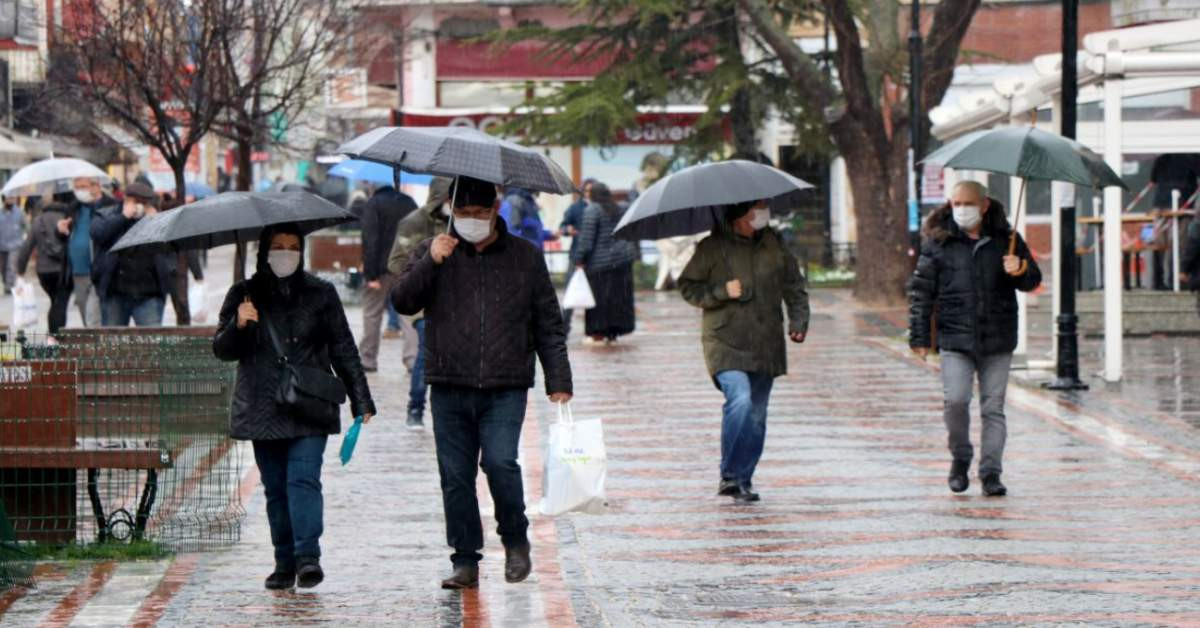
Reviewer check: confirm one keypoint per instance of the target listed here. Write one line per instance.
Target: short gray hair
(978, 188)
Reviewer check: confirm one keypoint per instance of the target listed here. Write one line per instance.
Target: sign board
(933, 184)
(649, 128)
(346, 88)
(158, 163)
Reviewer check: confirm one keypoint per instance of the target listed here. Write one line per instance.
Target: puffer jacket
(309, 318)
(486, 315)
(596, 248)
(964, 283)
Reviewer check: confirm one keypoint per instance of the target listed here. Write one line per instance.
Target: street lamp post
(1067, 368)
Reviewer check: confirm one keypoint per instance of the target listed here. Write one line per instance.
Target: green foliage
(137, 550)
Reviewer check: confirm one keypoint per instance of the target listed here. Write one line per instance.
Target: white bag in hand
(579, 293)
(198, 301)
(575, 466)
(25, 306)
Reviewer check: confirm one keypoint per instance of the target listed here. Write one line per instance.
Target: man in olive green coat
(742, 276)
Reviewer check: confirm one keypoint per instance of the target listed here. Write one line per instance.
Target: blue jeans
(744, 422)
(468, 422)
(145, 312)
(393, 316)
(416, 387)
(291, 477)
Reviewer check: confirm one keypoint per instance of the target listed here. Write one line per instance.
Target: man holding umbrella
(968, 276)
(489, 308)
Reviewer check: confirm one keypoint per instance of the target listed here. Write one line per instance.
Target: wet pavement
(856, 525)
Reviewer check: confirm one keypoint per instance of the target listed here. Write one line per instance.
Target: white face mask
(473, 230)
(967, 217)
(85, 196)
(283, 263)
(759, 218)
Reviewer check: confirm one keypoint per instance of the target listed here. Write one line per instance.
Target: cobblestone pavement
(856, 524)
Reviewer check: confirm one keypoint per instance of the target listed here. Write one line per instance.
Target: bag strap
(564, 413)
(279, 351)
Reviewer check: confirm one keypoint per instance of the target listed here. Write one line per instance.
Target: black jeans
(468, 422)
(59, 288)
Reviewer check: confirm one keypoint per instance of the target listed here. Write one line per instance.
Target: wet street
(856, 525)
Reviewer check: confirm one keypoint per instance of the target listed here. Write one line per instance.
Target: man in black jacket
(489, 308)
(132, 284)
(966, 275)
(379, 219)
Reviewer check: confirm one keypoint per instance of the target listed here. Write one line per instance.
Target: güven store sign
(651, 128)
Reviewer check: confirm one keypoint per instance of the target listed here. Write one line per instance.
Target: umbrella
(288, 186)
(50, 175)
(350, 440)
(230, 217)
(198, 190)
(460, 151)
(686, 202)
(1029, 153)
(369, 171)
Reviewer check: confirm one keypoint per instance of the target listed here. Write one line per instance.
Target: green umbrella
(1029, 153)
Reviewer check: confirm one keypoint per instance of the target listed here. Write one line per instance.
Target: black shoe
(517, 563)
(992, 486)
(727, 487)
(308, 572)
(745, 494)
(281, 578)
(371, 369)
(958, 475)
(416, 419)
(464, 577)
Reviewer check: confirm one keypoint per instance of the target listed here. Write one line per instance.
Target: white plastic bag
(579, 293)
(575, 466)
(198, 301)
(25, 306)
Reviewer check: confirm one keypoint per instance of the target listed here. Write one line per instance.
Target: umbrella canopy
(230, 217)
(460, 151)
(1029, 153)
(51, 175)
(198, 190)
(686, 202)
(360, 170)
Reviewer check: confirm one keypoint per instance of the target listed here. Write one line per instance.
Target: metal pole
(1175, 240)
(914, 127)
(1067, 369)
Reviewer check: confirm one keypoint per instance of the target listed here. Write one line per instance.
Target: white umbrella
(46, 175)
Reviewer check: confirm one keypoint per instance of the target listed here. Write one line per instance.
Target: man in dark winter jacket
(966, 275)
(132, 284)
(489, 309)
(380, 216)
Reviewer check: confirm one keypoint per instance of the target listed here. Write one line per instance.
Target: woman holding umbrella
(283, 318)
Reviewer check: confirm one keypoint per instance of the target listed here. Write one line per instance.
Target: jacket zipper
(482, 318)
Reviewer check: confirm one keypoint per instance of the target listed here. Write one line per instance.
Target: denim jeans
(416, 387)
(145, 312)
(393, 317)
(744, 422)
(959, 371)
(291, 477)
(468, 422)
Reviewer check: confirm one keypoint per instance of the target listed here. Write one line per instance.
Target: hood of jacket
(439, 195)
(264, 283)
(939, 225)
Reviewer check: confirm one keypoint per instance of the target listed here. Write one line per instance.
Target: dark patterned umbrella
(460, 151)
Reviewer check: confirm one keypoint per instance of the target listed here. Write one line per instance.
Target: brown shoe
(517, 563)
(464, 577)
(392, 333)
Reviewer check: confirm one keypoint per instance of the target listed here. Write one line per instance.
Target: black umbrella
(460, 151)
(231, 217)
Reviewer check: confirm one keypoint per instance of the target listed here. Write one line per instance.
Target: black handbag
(308, 394)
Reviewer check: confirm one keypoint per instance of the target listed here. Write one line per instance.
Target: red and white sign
(651, 128)
(346, 88)
(933, 184)
(158, 163)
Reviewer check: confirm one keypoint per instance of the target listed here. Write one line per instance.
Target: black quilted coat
(309, 318)
(964, 283)
(486, 315)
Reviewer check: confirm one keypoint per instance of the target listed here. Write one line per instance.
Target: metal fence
(117, 435)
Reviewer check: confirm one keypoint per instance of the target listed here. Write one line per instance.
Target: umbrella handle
(1012, 250)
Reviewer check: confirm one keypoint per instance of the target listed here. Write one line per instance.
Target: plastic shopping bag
(575, 466)
(350, 440)
(579, 293)
(198, 301)
(25, 306)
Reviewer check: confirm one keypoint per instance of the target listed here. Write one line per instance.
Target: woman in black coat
(308, 319)
(608, 263)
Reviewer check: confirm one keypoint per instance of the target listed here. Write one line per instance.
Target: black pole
(1067, 368)
(915, 125)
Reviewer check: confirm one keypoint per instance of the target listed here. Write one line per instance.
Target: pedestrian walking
(132, 284)
(523, 217)
(744, 278)
(380, 217)
(283, 306)
(966, 275)
(1189, 260)
(489, 308)
(608, 264)
(427, 222)
(571, 223)
(89, 202)
(48, 236)
(192, 264)
(12, 236)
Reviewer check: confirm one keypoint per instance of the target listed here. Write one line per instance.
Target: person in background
(571, 223)
(381, 215)
(132, 284)
(1171, 171)
(12, 235)
(522, 216)
(48, 236)
(608, 264)
(88, 202)
(192, 260)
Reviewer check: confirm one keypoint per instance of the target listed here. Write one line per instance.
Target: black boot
(517, 563)
(745, 493)
(727, 487)
(284, 577)
(958, 475)
(308, 572)
(992, 487)
(464, 577)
